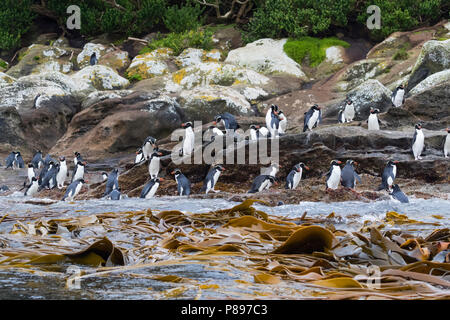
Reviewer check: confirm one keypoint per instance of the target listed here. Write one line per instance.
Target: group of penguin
(54, 174)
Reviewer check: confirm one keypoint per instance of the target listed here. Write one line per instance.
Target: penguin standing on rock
(48, 159)
(14, 160)
(183, 183)
(211, 179)
(93, 60)
(349, 175)
(272, 120)
(388, 176)
(154, 163)
(139, 156)
(254, 132)
(418, 142)
(228, 120)
(73, 189)
(398, 195)
(312, 118)
(112, 182)
(62, 173)
(447, 143)
(30, 174)
(150, 188)
(294, 177)
(262, 182)
(32, 188)
(398, 96)
(78, 171)
(37, 160)
(334, 175)
(349, 111)
(49, 180)
(373, 123)
(148, 146)
(77, 158)
(189, 139)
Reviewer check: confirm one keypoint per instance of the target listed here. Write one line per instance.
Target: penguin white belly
(152, 191)
(139, 157)
(390, 181)
(447, 146)
(263, 131)
(217, 132)
(209, 186)
(253, 135)
(61, 176)
(373, 122)
(312, 121)
(398, 99)
(32, 190)
(263, 185)
(77, 190)
(147, 150)
(268, 118)
(153, 167)
(188, 142)
(79, 174)
(418, 145)
(30, 174)
(268, 185)
(297, 178)
(349, 113)
(334, 179)
(215, 178)
(283, 125)
(394, 170)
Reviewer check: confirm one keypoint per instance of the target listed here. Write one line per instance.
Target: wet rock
(369, 94)
(266, 56)
(434, 57)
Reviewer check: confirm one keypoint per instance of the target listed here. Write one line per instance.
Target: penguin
(45, 168)
(262, 182)
(32, 188)
(349, 175)
(334, 175)
(14, 160)
(183, 183)
(263, 132)
(398, 195)
(139, 156)
(148, 146)
(93, 60)
(37, 160)
(388, 176)
(104, 176)
(228, 120)
(115, 194)
(294, 177)
(273, 169)
(154, 163)
(272, 120)
(36, 101)
(312, 118)
(49, 180)
(447, 143)
(78, 171)
(30, 174)
(372, 122)
(4, 188)
(189, 138)
(418, 142)
(341, 118)
(73, 189)
(283, 122)
(112, 182)
(77, 158)
(62, 172)
(398, 96)
(349, 111)
(211, 179)
(150, 188)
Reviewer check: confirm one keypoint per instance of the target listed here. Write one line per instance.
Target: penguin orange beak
(85, 163)
(214, 123)
(339, 162)
(275, 183)
(161, 179)
(396, 162)
(355, 162)
(280, 166)
(173, 172)
(160, 154)
(257, 127)
(137, 152)
(86, 181)
(306, 167)
(183, 125)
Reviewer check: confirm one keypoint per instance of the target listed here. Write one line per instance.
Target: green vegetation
(201, 39)
(15, 20)
(3, 64)
(36, 58)
(312, 49)
(180, 19)
(401, 54)
(134, 77)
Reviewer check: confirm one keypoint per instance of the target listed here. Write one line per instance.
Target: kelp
(271, 256)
